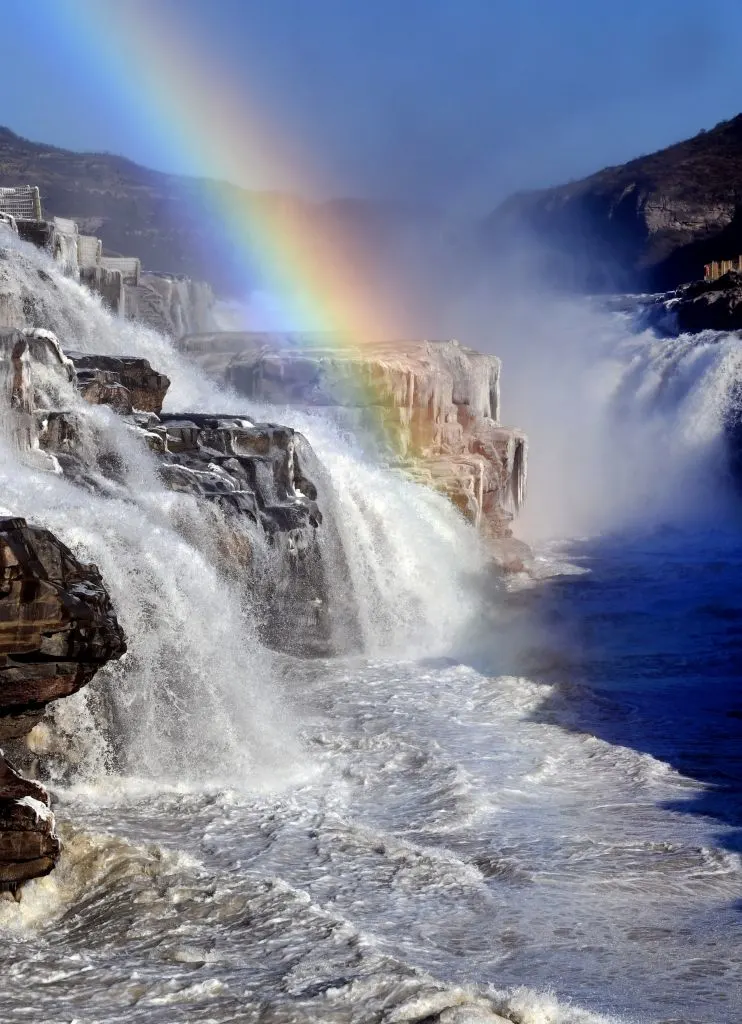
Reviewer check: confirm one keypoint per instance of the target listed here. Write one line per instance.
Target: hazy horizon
(446, 104)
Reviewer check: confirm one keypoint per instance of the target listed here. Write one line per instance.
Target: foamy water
(490, 811)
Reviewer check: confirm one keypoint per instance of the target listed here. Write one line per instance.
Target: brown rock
(101, 379)
(29, 845)
(57, 628)
(57, 625)
(433, 405)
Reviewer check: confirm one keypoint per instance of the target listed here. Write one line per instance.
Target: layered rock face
(433, 405)
(125, 383)
(647, 225)
(260, 474)
(174, 306)
(57, 628)
(253, 481)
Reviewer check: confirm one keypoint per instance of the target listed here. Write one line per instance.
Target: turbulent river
(522, 798)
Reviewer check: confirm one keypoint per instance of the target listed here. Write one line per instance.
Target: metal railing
(22, 202)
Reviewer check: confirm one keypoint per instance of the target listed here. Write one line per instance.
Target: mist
(626, 430)
(431, 114)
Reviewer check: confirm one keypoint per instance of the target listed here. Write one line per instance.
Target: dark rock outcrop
(647, 225)
(698, 306)
(29, 845)
(57, 628)
(124, 382)
(256, 481)
(260, 474)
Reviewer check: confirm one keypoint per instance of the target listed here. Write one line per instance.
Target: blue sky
(449, 102)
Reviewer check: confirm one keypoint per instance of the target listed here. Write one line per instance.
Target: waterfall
(198, 694)
(410, 556)
(625, 429)
(664, 437)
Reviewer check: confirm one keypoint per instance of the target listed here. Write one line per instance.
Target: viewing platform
(717, 268)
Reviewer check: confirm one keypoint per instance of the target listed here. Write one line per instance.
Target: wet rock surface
(259, 475)
(433, 406)
(174, 306)
(125, 383)
(29, 845)
(255, 481)
(57, 628)
(698, 306)
(57, 624)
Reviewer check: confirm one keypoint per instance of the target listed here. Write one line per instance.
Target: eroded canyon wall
(433, 407)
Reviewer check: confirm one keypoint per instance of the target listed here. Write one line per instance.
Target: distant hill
(160, 217)
(651, 223)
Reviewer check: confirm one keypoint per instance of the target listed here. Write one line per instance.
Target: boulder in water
(103, 380)
(29, 846)
(57, 624)
(57, 628)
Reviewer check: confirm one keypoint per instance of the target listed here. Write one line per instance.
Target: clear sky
(449, 102)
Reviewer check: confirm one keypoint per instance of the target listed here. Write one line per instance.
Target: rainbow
(189, 100)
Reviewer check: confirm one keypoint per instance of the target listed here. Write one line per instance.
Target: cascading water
(297, 840)
(192, 693)
(625, 428)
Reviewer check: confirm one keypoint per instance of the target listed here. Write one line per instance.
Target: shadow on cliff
(686, 262)
(650, 658)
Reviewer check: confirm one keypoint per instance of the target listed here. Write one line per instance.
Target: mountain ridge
(651, 222)
(162, 218)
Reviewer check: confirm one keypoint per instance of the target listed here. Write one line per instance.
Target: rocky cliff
(432, 405)
(170, 221)
(649, 224)
(173, 306)
(57, 628)
(255, 482)
(696, 306)
(253, 487)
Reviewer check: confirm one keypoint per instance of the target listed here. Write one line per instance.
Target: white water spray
(625, 429)
(196, 696)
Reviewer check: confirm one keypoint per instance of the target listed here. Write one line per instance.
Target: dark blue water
(645, 653)
(656, 627)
